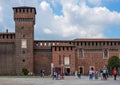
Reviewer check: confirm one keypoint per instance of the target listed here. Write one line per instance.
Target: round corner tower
(24, 18)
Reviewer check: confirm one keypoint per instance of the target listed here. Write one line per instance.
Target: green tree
(25, 71)
(113, 62)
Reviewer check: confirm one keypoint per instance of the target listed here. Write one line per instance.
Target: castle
(19, 49)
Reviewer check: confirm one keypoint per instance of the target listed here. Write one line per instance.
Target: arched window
(105, 53)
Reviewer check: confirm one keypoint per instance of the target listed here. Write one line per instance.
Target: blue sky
(67, 19)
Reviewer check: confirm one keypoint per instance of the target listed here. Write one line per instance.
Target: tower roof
(25, 7)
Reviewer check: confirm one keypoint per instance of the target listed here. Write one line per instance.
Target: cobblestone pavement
(48, 81)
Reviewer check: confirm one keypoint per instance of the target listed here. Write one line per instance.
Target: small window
(92, 43)
(59, 49)
(85, 43)
(24, 43)
(107, 43)
(77, 43)
(11, 36)
(71, 48)
(16, 10)
(7, 36)
(55, 49)
(22, 27)
(111, 43)
(23, 10)
(118, 43)
(27, 10)
(23, 52)
(3, 36)
(23, 35)
(63, 48)
(103, 43)
(81, 43)
(19, 10)
(105, 53)
(23, 60)
(96, 43)
(114, 43)
(67, 48)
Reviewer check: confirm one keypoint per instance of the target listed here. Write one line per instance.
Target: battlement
(24, 14)
(7, 36)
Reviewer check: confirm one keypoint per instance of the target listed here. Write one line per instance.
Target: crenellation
(6, 36)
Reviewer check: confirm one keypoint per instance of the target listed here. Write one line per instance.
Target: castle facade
(19, 49)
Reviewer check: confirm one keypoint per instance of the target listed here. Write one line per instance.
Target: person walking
(54, 75)
(114, 73)
(104, 74)
(79, 75)
(41, 73)
(76, 74)
(101, 74)
(96, 74)
(90, 74)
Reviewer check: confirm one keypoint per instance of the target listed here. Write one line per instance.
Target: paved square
(48, 81)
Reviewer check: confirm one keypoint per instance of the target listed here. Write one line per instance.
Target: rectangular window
(81, 53)
(66, 60)
(24, 43)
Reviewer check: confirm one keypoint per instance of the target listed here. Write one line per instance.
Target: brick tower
(24, 18)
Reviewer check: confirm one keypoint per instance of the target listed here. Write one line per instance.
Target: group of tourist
(57, 75)
(103, 74)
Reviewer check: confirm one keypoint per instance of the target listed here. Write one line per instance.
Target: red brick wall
(63, 53)
(42, 60)
(95, 59)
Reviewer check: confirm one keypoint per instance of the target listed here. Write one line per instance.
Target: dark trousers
(104, 76)
(115, 77)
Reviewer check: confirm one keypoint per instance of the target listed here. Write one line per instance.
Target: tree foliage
(113, 62)
(25, 71)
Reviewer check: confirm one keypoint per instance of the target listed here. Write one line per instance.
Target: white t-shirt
(90, 72)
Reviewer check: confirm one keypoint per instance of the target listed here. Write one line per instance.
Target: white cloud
(44, 5)
(47, 31)
(79, 20)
